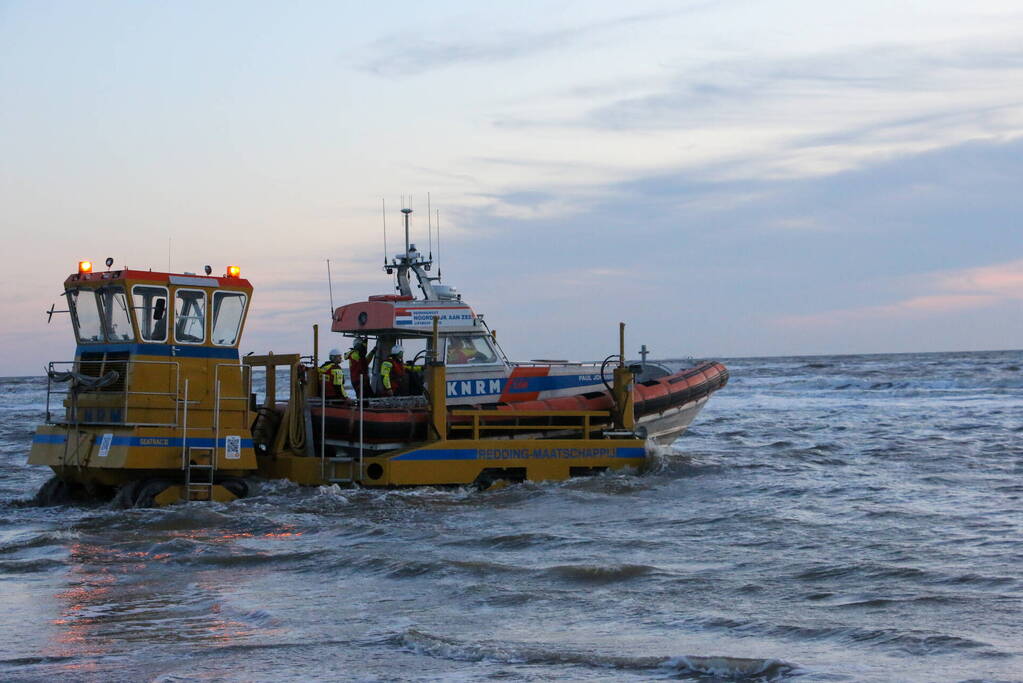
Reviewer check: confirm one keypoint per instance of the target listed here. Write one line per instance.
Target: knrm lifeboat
(668, 393)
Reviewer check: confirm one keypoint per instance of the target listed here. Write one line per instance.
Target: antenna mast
(438, 244)
(407, 213)
(429, 223)
(383, 210)
(330, 288)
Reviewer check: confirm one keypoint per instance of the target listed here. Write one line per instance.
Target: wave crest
(731, 668)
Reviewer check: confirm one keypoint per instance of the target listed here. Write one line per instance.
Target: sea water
(839, 518)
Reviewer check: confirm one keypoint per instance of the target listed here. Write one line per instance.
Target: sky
(729, 178)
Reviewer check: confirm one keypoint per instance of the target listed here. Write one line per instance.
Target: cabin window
(85, 314)
(474, 350)
(150, 304)
(190, 316)
(228, 311)
(116, 319)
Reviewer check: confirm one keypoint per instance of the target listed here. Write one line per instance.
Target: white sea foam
(733, 668)
(332, 491)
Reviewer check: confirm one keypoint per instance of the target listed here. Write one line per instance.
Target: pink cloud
(1005, 279)
(947, 292)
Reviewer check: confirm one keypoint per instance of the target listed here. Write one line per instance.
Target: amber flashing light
(85, 267)
(233, 271)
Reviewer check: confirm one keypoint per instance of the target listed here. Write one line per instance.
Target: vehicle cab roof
(179, 279)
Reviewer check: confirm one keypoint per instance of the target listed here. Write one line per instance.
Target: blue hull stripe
(555, 382)
(458, 387)
(513, 453)
(162, 350)
(145, 441)
(439, 454)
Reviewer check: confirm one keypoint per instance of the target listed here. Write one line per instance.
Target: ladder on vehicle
(199, 462)
(336, 463)
(199, 471)
(329, 465)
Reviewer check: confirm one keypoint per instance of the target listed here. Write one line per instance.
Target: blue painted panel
(439, 454)
(146, 441)
(520, 385)
(162, 350)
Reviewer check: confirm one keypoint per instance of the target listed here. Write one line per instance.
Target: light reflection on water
(115, 595)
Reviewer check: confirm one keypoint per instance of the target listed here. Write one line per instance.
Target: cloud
(894, 212)
(1003, 280)
(853, 79)
(761, 265)
(785, 117)
(411, 55)
(948, 292)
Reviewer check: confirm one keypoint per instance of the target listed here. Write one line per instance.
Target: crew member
(335, 375)
(461, 352)
(392, 374)
(456, 354)
(358, 366)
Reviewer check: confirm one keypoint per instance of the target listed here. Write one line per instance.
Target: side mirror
(159, 309)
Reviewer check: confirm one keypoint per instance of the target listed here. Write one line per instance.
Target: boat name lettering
(475, 387)
(153, 441)
(424, 317)
(543, 453)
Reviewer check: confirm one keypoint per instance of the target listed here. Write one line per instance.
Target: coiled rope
(296, 414)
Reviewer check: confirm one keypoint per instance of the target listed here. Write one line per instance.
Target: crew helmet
(335, 352)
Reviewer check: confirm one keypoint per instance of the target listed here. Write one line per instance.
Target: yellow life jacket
(335, 375)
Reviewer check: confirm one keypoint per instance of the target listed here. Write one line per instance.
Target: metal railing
(244, 381)
(585, 425)
(356, 475)
(395, 402)
(129, 367)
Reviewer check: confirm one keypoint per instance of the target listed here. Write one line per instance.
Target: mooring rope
(296, 416)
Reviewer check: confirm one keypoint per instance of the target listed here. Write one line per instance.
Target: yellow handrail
(476, 427)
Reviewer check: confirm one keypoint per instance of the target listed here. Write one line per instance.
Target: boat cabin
(391, 321)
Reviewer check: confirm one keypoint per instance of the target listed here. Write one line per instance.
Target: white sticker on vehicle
(104, 445)
(233, 447)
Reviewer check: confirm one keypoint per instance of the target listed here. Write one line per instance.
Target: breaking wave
(721, 667)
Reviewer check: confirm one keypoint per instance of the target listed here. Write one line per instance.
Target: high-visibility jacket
(391, 372)
(358, 363)
(335, 376)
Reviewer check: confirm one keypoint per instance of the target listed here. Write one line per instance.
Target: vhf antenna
(383, 209)
(330, 288)
(407, 211)
(406, 208)
(438, 245)
(429, 224)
